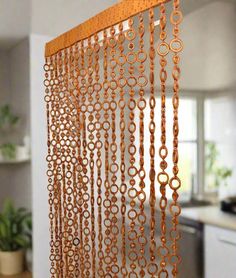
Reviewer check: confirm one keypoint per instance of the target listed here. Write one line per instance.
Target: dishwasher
(190, 245)
(191, 249)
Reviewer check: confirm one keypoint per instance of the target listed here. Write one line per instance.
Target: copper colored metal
(110, 17)
(141, 104)
(176, 46)
(123, 186)
(152, 266)
(163, 177)
(105, 185)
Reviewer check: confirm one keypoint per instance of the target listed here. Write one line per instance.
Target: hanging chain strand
(74, 140)
(176, 46)
(57, 191)
(132, 170)
(78, 200)
(163, 177)
(123, 187)
(61, 203)
(91, 147)
(85, 162)
(99, 145)
(114, 210)
(152, 267)
(55, 121)
(106, 128)
(57, 165)
(49, 102)
(70, 144)
(64, 165)
(142, 82)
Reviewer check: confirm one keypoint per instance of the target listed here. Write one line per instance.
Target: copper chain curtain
(107, 145)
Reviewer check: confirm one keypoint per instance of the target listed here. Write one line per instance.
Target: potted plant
(7, 123)
(15, 238)
(7, 151)
(7, 118)
(217, 175)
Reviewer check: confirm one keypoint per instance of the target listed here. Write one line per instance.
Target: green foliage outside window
(216, 174)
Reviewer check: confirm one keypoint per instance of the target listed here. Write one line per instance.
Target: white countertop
(211, 215)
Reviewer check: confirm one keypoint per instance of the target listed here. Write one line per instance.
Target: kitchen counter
(211, 215)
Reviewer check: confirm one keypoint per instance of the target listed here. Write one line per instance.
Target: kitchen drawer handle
(188, 229)
(227, 240)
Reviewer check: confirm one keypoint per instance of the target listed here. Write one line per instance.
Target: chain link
(152, 267)
(122, 105)
(163, 177)
(107, 184)
(96, 103)
(141, 104)
(132, 169)
(176, 46)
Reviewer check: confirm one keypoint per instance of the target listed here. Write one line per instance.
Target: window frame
(199, 190)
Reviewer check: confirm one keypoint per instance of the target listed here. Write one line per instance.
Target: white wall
(208, 67)
(4, 77)
(4, 98)
(19, 85)
(21, 80)
(39, 151)
(20, 182)
(221, 129)
(14, 82)
(209, 55)
(60, 15)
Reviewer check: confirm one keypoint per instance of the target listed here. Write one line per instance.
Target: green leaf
(21, 241)
(8, 209)
(8, 150)
(29, 223)
(15, 227)
(219, 174)
(3, 228)
(21, 210)
(6, 117)
(5, 245)
(14, 120)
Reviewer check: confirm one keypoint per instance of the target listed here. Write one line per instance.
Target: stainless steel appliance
(191, 249)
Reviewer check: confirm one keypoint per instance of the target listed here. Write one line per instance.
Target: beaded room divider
(109, 168)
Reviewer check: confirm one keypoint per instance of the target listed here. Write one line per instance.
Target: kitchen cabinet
(220, 252)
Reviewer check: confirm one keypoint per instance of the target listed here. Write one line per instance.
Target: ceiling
(19, 18)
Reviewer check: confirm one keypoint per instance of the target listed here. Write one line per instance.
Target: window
(200, 144)
(219, 144)
(188, 143)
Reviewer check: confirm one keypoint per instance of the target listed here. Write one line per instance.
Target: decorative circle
(163, 49)
(131, 58)
(130, 34)
(176, 17)
(176, 45)
(152, 268)
(175, 183)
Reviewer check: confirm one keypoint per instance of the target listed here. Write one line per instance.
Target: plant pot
(22, 152)
(11, 263)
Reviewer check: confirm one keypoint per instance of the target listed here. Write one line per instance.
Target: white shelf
(15, 161)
